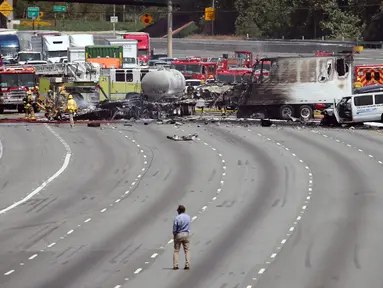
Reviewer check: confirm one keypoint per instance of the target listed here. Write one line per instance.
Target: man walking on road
(181, 230)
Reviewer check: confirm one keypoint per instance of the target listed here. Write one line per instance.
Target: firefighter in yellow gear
(71, 108)
(49, 104)
(28, 107)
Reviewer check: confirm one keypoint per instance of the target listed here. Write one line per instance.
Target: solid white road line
(1, 150)
(53, 177)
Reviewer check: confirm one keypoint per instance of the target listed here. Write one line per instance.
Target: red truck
(143, 40)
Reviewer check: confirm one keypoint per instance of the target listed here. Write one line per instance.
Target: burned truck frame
(295, 85)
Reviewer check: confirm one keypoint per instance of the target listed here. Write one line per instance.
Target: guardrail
(258, 46)
(365, 44)
(270, 46)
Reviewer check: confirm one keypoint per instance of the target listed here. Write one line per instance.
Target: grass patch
(80, 25)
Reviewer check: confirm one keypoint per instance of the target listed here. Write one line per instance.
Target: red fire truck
(15, 82)
(233, 75)
(195, 69)
(244, 58)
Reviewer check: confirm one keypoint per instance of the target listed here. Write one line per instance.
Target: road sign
(6, 8)
(209, 14)
(114, 19)
(33, 12)
(146, 19)
(59, 9)
(41, 14)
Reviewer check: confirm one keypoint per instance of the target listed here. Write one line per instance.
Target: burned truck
(295, 86)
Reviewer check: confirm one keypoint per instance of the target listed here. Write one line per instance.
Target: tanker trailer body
(163, 83)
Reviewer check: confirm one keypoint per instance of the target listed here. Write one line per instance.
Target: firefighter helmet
(29, 92)
(70, 96)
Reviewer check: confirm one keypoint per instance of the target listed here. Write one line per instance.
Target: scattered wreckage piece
(189, 137)
(94, 124)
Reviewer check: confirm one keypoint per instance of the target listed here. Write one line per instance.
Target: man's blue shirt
(181, 223)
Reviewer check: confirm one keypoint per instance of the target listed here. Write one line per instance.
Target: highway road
(271, 207)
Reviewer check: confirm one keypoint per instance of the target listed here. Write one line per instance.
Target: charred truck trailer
(295, 87)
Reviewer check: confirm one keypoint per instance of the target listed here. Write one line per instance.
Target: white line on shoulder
(50, 179)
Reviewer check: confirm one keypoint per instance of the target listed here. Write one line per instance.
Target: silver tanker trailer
(162, 84)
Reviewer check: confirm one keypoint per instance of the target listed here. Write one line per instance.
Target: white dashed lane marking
(50, 179)
(347, 144)
(66, 162)
(9, 272)
(302, 211)
(205, 207)
(33, 257)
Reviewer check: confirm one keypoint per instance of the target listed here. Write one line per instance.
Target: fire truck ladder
(81, 71)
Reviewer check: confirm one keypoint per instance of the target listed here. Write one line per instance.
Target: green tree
(342, 22)
(263, 18)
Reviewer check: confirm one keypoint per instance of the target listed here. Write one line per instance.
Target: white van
(357, 108)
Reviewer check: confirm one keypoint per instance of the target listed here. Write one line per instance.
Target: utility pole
(170, 28)
(10, 16)
(114, 23)
(212, 21)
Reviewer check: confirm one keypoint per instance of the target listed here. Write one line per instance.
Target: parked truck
(143, 39)
(9, 45)
(52, 46)
(129, 51)
(55, 47)
(81, 40)
(105, 55)
(78, 42)
(32, 39)
(26, 56)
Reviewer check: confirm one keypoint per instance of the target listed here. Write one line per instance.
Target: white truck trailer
(78, 42)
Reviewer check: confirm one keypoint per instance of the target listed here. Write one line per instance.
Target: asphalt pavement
(271, 207)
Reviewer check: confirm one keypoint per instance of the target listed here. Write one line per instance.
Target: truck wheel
(1, 110)
(285, 111)
(305, 112)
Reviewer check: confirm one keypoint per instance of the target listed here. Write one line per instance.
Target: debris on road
(189, 137)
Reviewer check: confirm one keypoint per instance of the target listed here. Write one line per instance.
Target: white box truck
(55, 47)
(76, 54)
(129, 51)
